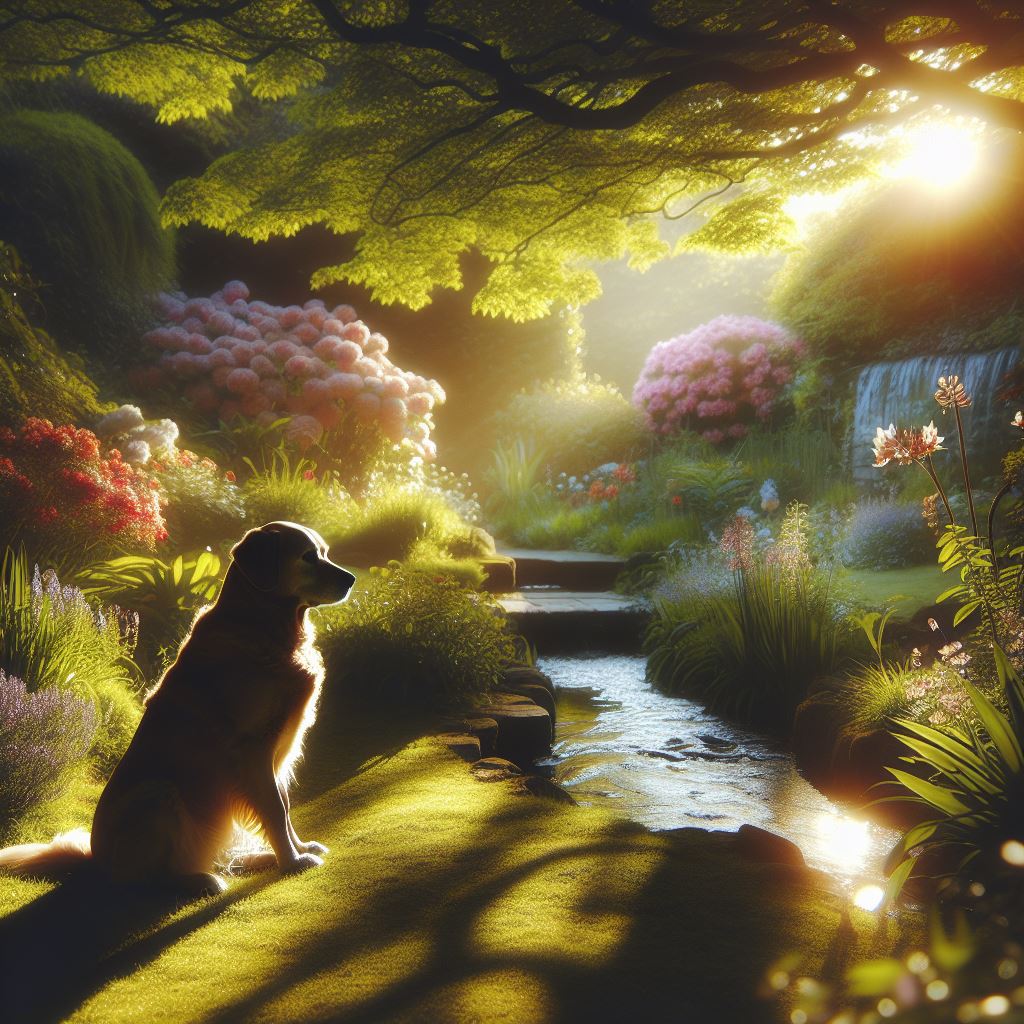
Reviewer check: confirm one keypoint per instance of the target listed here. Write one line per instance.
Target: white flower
(136, 452)
(120, 421)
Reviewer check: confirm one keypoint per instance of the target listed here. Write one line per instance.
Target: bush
(392, 522)
(292, 491)
(36, 378)
(118, 713)
(885, 535)
(411, 639)
(202, 504)
(320, 368)
(577, 424)
(718, 379)
(84, 215)
(44, 738)
(659, 535)
(165, 596)
(754, 650)
(60, 494)
(802, 460)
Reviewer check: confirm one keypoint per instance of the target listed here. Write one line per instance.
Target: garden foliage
(36, 377)
(753, 650)
(410, 639)
(887, 535)
(576, 423)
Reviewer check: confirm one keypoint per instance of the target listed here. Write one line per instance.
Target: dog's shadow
(65, 945)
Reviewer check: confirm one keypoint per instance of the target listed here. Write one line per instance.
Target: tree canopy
(544, 133)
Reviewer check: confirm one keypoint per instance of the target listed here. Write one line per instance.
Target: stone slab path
(564, 601)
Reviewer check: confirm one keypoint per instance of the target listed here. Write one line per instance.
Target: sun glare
(940, 156)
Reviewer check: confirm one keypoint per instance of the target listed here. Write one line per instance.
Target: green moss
(446, 899)
(84, 215)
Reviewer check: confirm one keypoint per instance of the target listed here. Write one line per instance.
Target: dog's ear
(258, 556)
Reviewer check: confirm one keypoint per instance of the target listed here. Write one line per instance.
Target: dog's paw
(317, 848)
(303, 862)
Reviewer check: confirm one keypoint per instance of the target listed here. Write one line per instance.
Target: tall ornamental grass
(753, 650)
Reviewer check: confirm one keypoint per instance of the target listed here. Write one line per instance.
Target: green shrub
(36, 378)
(119, 712)
(754, 650)
(84, 215)
(165, 596)
(408, 638)
(711, 490)
(801, 460)
(887, 535)
(202, 507)
(283, 490)
(392, 522)
(579, 424)
(659, 535)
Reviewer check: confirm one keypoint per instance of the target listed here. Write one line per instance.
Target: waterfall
(902, 393)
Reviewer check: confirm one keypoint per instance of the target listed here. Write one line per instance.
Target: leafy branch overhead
(543, 135)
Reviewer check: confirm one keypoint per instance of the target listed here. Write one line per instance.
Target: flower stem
(966, 469)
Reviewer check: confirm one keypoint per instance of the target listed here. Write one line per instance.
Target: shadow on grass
(428, 912)
(65, 945)
(68, 943)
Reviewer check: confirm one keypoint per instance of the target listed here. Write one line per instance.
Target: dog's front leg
(269, 805)
(311, 847)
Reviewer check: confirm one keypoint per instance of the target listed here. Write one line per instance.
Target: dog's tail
(51, 861)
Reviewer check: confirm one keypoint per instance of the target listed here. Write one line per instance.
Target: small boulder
(494, 769)
(486, 731)
(462, 744)
(524, 728)
(515, 676)
(540, 695)
(766, 847)
(547, 789)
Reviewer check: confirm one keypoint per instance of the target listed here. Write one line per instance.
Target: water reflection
(667, 763)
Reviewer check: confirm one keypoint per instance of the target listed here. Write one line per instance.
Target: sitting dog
(221, 730)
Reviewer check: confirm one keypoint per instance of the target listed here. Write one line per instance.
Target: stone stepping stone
(486, 731)
(524, 728)
(494, 769)
(462, 744)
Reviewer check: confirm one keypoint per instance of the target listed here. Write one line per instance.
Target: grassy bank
(443, 899)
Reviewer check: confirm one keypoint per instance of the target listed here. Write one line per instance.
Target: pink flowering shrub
(718, 379)
(232, 357)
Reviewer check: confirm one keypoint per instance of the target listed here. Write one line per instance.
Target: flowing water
(902, 393)
(666, 763)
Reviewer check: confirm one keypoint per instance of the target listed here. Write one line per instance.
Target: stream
(666, 762)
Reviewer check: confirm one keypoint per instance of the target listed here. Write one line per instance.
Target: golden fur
(221, 730)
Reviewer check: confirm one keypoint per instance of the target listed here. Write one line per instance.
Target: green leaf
(947, 594)
(897, 880)
(939, 797)
(998, 728)
(177, 569)
(964, 610)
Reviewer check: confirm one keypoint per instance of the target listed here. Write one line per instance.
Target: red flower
(46, 515)
(230, 477)
(611, 491)
(596, 490)
(677, 499)
(308, 474)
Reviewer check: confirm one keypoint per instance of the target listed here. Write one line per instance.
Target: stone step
(565, 620)
(571, 570)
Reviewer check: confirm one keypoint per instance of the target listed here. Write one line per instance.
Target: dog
(220, 734)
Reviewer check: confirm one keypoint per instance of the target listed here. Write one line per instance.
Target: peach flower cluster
(233, 356)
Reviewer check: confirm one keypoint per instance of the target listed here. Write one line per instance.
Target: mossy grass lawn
(908, 589)
(442, 899)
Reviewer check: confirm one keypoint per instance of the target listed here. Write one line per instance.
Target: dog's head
(291, 561)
